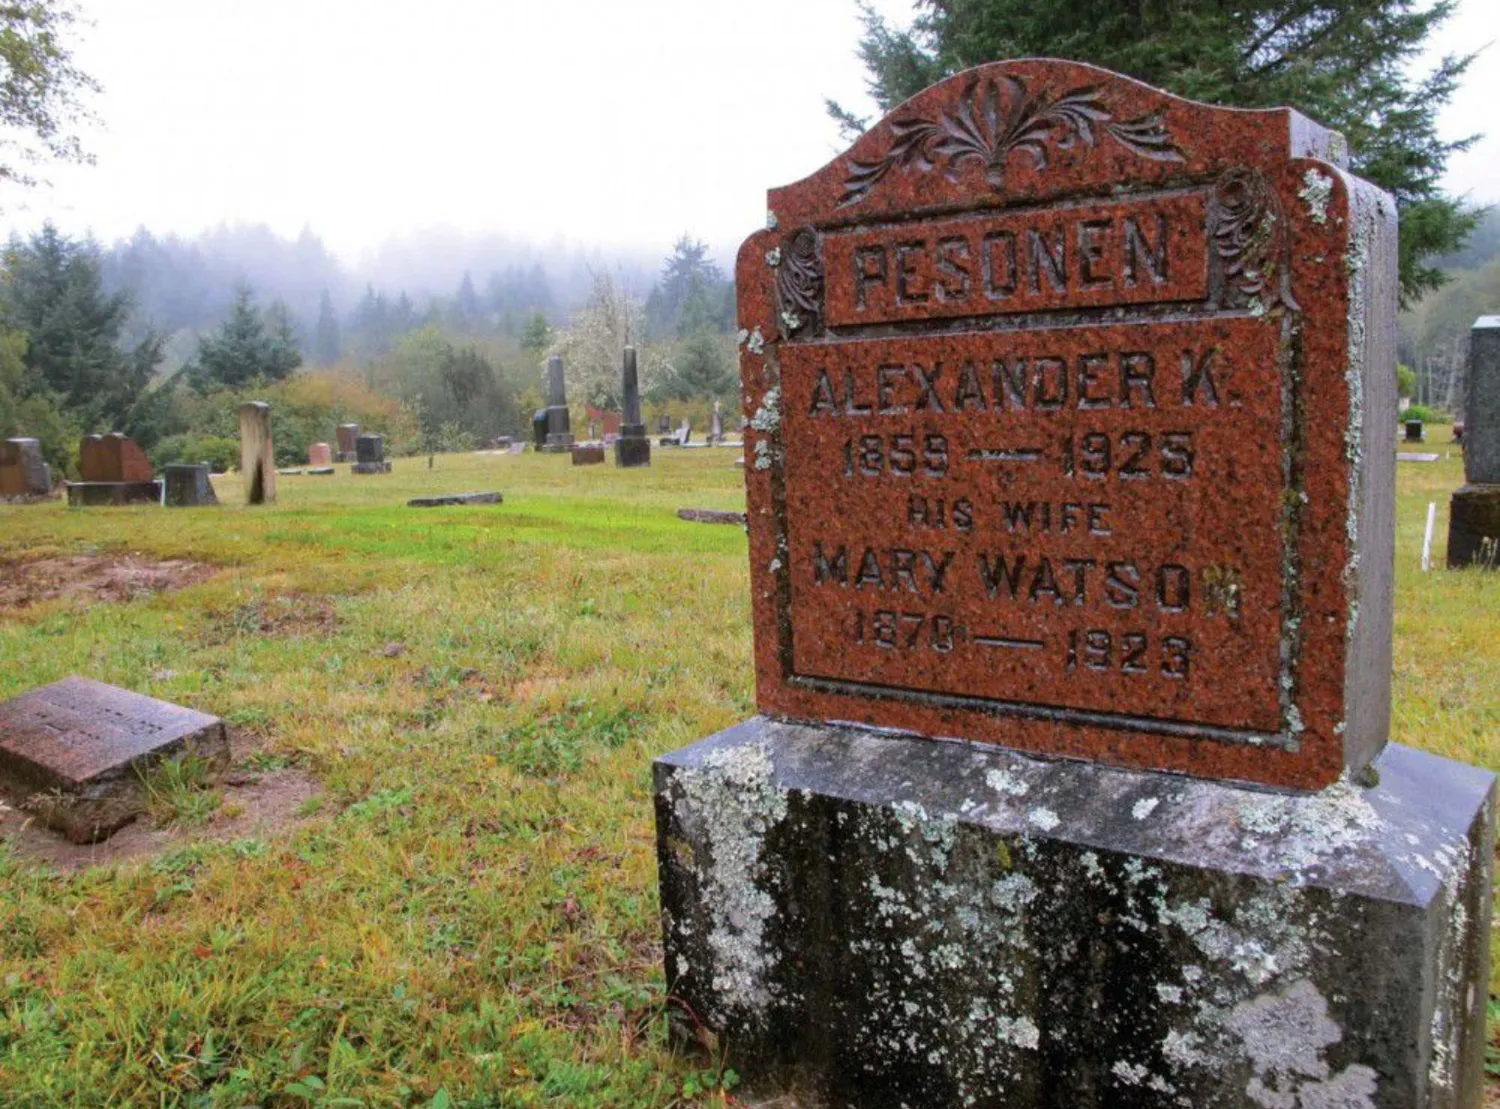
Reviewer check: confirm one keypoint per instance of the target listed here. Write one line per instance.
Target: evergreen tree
(537, 335)
(690, 294)
(75, 353)
(326, 346)
(1341, 62)
(246, 347)
(703, 368)
(466, 311)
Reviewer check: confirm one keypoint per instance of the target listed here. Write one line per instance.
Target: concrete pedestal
(104, 493)
(914, 923)
(1474, 527)
(370, 468)
(632, 448)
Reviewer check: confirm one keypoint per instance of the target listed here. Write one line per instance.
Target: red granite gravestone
(113, 458)
(1058, 390)
(319, 454)
(1069, 433)
(348, 440)
(23, 471)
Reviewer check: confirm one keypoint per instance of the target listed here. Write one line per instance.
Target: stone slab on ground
(454, 499)
(1417, 456)
(711, 516)
(97, 494)
(1474, 527)
(937, 923)
(77, 748)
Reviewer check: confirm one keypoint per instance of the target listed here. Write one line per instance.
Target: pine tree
(326, 346)
(75, 351)
(1340, 62)
(537, 335)
(244, 348)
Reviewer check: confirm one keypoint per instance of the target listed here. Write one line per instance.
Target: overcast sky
(616, 122)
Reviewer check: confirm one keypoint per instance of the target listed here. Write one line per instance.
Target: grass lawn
(467, 910)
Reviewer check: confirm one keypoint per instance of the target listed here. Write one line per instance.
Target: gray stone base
(1474, 527)
(370, 468)
(188, 485)
(923, 924)
(632, 452)
(105, 493)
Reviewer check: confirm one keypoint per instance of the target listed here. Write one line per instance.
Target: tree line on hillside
(76, 356)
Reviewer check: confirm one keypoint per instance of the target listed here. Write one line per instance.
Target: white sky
(610, 122)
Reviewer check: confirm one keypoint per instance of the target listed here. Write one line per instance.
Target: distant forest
(439, 342)
(1434, 331)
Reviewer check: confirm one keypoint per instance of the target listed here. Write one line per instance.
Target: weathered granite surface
(99, 494)
(1474, 527)
(918, 923)
(73, 752)
(188, 485)
(711, 516)
(1482, 404)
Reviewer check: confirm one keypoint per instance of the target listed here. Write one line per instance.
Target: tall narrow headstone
(559, 431)
(632, 448)
(257, 458)
(1069, 438)
(1474, 511)
(716, 426)
(24, 473)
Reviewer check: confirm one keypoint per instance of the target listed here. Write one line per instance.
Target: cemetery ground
(430, 878)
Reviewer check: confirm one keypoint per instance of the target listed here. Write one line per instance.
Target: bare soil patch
(103, 577)
(286, 615)
(255, 806)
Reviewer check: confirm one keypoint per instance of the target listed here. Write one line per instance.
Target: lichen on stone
(756, 343)
(735, 803)
(1316, 193)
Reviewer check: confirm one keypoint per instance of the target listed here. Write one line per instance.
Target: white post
(1427, 539)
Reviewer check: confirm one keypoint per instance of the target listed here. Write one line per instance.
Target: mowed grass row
(468, 914)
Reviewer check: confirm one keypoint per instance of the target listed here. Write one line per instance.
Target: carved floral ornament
(799, 281)
(997, 117)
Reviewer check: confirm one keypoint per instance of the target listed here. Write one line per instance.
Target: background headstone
(539, 428)
(348, 440)
(1414, 431)
(114, 458)
(1068, 435)
(1474, 511)
(559, 429)
(587, 454)
(115, 472)
(257, 456)
(23, 470)
(632, 447)
(187, 485)
(75, 752)
(370, 455)
(320, 454)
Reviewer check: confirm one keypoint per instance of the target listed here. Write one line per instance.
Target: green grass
(468, 916)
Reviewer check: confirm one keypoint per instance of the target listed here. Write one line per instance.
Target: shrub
(220, 452)
(1426, 415)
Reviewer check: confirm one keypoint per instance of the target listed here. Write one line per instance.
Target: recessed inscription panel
(1064, 518)
(1138, 251)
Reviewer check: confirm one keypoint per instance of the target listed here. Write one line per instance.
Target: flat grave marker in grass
(452, 499)
(76, 750)
(1069, 436)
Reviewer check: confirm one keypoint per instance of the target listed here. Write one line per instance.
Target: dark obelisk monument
(559, 431)
(632, 448)
(1069, 485)
(1474, 511)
